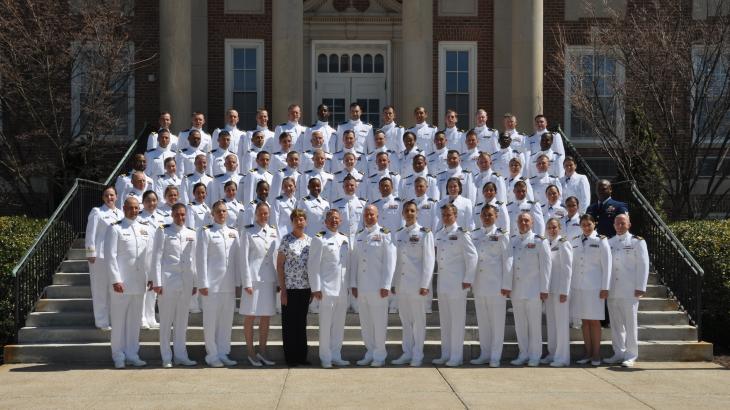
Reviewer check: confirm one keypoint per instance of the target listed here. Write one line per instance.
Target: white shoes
(167, 365)
(340, 362)
(185, 362)
(494, 364)
(584, 360)
(226, 361)
(558, 364)
(628, 363)
(520, 361)
(440, 360)
(215, 363)
(479, 360)
(595, 363)
(326, 365)
(416, 363)
(377, 363)
(119, 364)
(401, 360)
(454, 363)
(533, 363)
(546, 360)
(254, 361)
(264, 360)
(365, 361)
(136, 362)
(613, 359)
(393, 310)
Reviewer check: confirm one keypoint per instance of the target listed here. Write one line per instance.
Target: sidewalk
(649, 385)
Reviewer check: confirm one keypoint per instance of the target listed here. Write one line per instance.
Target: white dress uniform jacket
(393, 136)
(316, 208)
(156, 161)
(281, 213)
(259, 246)
(351, 209)
(468, 190)
(124, 184)
(501, 159)
(328, 133)
(100, 219)
(152, 141)
(206, 142)
(481, 178)
(363, 134)
(464, 211)
(424, 136)
(188, 184)
(294, 129)
(539, 184)
(437, 160)
(488, 139)
(556, 313)
(503, 221)
(514, 209)
(185, 160)
(577, 185)
(372, 190)
(236, 137)
(407, 189)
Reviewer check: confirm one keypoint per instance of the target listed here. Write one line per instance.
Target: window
(337, 110)
(711, 71)
(707, 167)
(370, 111)
(356, 63)
(593, 70)
(322, 63)
(244, 79)
(84, 97)
(603, 167)
(457, 80)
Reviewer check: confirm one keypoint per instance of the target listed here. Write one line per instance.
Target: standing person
(293, 279)
(464, 207)
(630, 272)
(168, 179)
(515, 176)
(232, 128)
(393, 132)
(198, 176)
(174, 281)
(372, 265)
(198, 214)
(218, 262)
(259, 243)
(437, 156)
(185, 158)
(197, 121)
(557, 304)
(591, 280)
(363, 131)
(553, 208)
(605, 210)
(327, 267)
(575, 184)
(542, 180)
(291, 170)
(292, 126)
(155, 158)
(127, 254)
(418, 170)
(100, 219)
(530, 285)
(323, 126)
(315, 207)
(487, 174)
(502, 157)
(533, 141)
(415, 261)
(522, 204)
(262, 128)
(123, 183)
(489, 192)
(488, 137)
(570, 224)
(454, 135)
(164, 122)
(456, 171)
(492, 285)
(425, 133)
(284, 204)
(457, 260)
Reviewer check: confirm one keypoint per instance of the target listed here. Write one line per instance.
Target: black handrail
(674, 265)
(35, 269)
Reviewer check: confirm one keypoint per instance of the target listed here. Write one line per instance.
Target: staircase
(61, 329)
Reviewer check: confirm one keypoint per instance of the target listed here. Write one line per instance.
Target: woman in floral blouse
(291, 266)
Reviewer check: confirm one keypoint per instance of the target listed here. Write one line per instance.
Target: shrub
(17, 233)
(709, 243)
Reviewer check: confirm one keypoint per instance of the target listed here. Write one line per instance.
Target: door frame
(317, 44)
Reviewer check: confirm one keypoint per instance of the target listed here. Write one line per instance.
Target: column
(527, 69)
(287, 59)
(417, 84)
(175, 61)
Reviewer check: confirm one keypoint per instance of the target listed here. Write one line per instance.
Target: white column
(287, 49)
(417, 84)
(527, 69)
(175, 60)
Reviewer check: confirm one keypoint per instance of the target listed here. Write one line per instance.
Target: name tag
(493, 238)
(628, 248)
(530, 246)
(426, 206)
(272, 235)
(453, 237)
(143, 232)
(554, 249)
(593, 245)
(394, 206)
(232, 235)
(376, 238)
(414, 239)
(189, 239)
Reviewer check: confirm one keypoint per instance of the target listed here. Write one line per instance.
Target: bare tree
(674, 95)
(64, 70)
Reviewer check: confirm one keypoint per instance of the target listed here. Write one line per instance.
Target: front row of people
(568, 277)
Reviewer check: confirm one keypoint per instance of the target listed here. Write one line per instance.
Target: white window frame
(471, 47)
(230, 45)
(571, 53)
(76, 87)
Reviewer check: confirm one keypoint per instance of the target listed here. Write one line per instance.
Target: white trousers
(491, 314)
(624, 327)
(218, 311)
(332, 312)
(374, 323)
(148, 313)
(528, 326)
(174, 305)
(452, 318)
(101, 289)
(195, 302)
(126, 311)
(412, 312)
(557, 316)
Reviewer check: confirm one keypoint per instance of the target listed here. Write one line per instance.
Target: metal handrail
(666, 251)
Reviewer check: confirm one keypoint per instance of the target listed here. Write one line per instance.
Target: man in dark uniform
(606, 208)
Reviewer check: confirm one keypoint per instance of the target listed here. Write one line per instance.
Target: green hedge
(709, 243)
(17, 233)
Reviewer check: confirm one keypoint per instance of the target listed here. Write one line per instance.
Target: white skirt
(588, 304)
(262, 302)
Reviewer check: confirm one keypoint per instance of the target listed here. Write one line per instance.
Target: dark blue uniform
(604, 213)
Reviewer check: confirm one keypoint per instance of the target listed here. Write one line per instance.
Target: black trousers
(294, 325)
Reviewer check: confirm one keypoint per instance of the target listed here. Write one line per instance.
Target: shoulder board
(166, 226)
(510, 203)
(384, 230)
(557, 154)
(432, 126)
(337, 152)
(432, 200)
(638, 237)
(309, 171)
(466, 171)
(602, 236)
(372, 176)
(500, 230)
(562, 240)
(118, 222)
(523, 178)
(531, 202)
(215, 150)
(479, 204)
(252, 170)
(553, 176)
(431, 153)
(150, 150)
(498, 202)
(337, 200)
(461, 229)
(362, 199)
(532, 177)
(424, 229)
(252, 202)
(189, 175)
(400, 229)
(576, 237)
(494, 153)
(341, 233)
(282, 124)
(207, 226)
(430, 175)
(280, 197)
(516, 152)
(219, 175)
(242, 174)
(397, 199)
(232, 227)
(360, 231)
(190, 228)
(543, 205)
(313, 125)
(186, 149)
(476, 229)
(496, 174)
(535, 153)
(377, 200)
(540, 236)
(339, 172)
(187, 130)
(208, 175)
(442, 172)
(161, 176)
(320, 234)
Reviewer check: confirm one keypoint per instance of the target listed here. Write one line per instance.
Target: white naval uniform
(501, 159)
(455, 139)
(124, 184)
(437, 161)
(502, 222)
(133, 193)
(188, 183)
(372, 265)
(185, 160)
(254, 176)
(248, 216)
(630, 272)
(372, 158)
(237, 136)
(429, 214)
(363, 134)
(405, 160)
(469, 160)
(468, 190)
(316, 208)
(294, 129)
(372, 188)
(165, 180)
(165, 210)
(494, 273)
(327, 268)
(100, 219)
(278, 178)
(557, 314)
(217, 187)
(407, 189)
(555, 166)
(488, 139)
(351, 209)
(127, 254)
(389, 213)
(198, 215)
(247, 159)
(325, 178)
(278, 160)
(424, 136)
(570, 227)
(218, 261)
(259, 247)
(335, 189)
(577, 185)
(464, 211)
(519, 140)
(329, 135)
(281, 214)
(152, 140)
(270, 140)
(482, 177)
(555, 210)
(510, 183)
(591, 274)
(533, 142)
(531, 266)
(457, 262)
(539, 184)
(515, 208)
(156, 161)
(217, 160)
(173, 269)
(206, 142)
(413, 271)
(393, 136)
(235, 210)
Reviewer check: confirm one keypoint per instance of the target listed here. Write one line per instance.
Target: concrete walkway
(649, 385)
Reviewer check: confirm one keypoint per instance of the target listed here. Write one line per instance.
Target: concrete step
(76, 253)
(71, 278)
(78, 243)
(78, 265)
(86, 318)
(100, 352)
(68, 292)
(30, 335)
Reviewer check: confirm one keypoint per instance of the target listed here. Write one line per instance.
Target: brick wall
(146, 36)
(476, 28)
